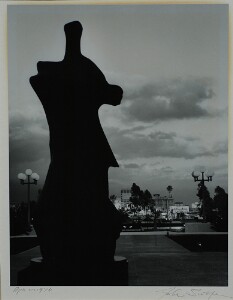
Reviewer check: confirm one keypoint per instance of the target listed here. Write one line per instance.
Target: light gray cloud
(191, 138)
(162, 135)
(169, 99)
(131, 166)
(220, 147)
(156, 144)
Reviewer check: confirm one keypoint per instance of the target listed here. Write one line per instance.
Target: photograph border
(8, 292)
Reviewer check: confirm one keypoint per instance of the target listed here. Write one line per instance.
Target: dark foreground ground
(157, 260)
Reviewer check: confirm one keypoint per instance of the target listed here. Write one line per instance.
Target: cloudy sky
(170, 60)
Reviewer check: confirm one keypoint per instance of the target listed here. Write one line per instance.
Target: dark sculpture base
(99, 274)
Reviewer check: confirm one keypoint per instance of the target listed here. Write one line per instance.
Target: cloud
(167, 100)
(28, 140)
(220, 147)
(162, 135)
(132, 166)
(155, 144)
(191, 138)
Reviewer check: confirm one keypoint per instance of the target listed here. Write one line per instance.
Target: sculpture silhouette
(76, 223)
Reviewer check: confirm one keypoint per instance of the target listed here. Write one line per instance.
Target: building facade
(179, 209)
(125, 197)
(162, 203)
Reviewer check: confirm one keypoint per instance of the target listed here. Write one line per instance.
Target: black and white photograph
(118, 149)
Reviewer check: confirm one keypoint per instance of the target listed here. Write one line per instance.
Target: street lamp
(28, 175)
(204, 177)
(196, 175)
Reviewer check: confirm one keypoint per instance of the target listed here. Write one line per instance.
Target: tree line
(212, 208)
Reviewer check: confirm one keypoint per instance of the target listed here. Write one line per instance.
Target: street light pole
(29, 209)
(202, 180)
(22, 177)
(197, 174)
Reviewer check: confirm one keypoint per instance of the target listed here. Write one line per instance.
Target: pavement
(198, 227)
(155, 260)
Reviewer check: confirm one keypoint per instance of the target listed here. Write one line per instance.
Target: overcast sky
(172, 63)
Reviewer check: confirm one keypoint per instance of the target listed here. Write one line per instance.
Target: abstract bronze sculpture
(76, 223)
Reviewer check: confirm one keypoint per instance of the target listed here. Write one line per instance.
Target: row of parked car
(148, 225)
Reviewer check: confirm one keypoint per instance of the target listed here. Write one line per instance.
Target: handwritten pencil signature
(19, 290)
(193, 292)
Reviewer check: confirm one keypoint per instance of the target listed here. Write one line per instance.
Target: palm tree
(169, 188)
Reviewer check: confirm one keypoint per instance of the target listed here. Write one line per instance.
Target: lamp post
(204, 176)
(22, 177)
(166, 206)
(155, 218)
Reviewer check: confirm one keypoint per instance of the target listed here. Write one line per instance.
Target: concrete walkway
(155, 260)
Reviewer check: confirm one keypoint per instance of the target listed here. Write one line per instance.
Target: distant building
(125, 196)
(195, 206)
(162, 203)
(179, 209)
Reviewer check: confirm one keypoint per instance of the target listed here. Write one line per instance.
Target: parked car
(198, 217)
(175, 226)
(132, 225)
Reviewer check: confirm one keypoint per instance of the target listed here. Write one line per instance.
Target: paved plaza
(155, 260)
